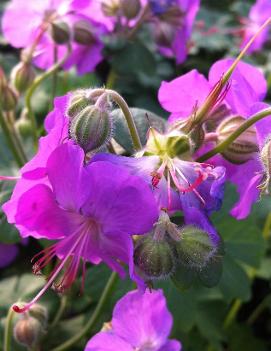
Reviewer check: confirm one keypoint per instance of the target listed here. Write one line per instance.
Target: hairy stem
(118, 99)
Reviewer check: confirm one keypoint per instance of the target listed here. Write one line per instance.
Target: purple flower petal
(152, 324)
(107, 341)
(183, 94)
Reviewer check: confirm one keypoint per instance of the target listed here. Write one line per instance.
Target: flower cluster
(75, 30)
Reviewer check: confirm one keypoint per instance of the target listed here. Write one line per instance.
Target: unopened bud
(3, 80)
(28, 331)
(130, 8)
(82, 33)
(195, 247)
(24, 126)
(244, 147)
(22, 76)
(8, 98)
(110, 8)
(91, 128)
(154, 259)
(77, 103)
(60, 32)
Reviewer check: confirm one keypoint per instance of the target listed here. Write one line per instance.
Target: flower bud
(195, 247)
(77, 103)
(154, 259)
(28, 331)
(244, 147)
(130, 8)
(3, 80)
(110, 8)
(91, 128)
(24, 126)
(82, 33)
(60, 32)
(22, 76)
(8, 98)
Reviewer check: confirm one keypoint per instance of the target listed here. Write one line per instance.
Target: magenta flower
(91, 210)
(8, 253)
(244, 98)
(34, 33)
(131, 330)
(258, 14)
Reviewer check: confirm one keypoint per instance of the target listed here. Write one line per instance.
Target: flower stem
(237, 304)
(34, 86)
(243, 127)
(118, 99)
(60, 311)
(8, 330)
(259, 309)
(11, 142)
(95, 316)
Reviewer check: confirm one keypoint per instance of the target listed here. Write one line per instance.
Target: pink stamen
(52, 276)
(9, 178)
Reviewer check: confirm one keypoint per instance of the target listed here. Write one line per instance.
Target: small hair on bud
(154, 259)
(91, 128)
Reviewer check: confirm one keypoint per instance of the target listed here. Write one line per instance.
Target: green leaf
(210, 275)
(234, 282)
(183, 277)
(133, 58)
(122, 135)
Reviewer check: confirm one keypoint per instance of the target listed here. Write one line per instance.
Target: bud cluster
(90, 121)
(169, 248)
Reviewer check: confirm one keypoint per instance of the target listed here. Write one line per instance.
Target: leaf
(234, 282)
(133, 58)
(183, 277)
(122, 135)
(210, 275)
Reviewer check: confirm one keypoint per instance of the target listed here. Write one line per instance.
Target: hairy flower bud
(195, 247)
(82, 33)
(241, 149)
(110, 8)
(130, 8)
(153, 258)
(60, 32)
(22, 76)
(28, 331)
(91, 128)
(8, 98)
(77, 103)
